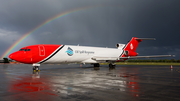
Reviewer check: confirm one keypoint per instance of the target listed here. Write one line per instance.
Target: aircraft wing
(128, 57)
(152, 56)
(105, 58)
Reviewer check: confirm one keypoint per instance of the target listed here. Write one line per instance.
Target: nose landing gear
(36, 67)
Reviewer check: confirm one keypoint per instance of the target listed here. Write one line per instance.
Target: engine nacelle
(120, 45)
(130, 53)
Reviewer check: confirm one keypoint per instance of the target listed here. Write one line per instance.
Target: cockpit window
(21, 50)
(25, 49)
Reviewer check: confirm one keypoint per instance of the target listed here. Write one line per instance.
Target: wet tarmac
(84, 83)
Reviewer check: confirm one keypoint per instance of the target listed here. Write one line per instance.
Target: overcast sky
(100, 23)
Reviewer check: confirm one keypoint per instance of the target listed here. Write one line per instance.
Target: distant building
(4, 60)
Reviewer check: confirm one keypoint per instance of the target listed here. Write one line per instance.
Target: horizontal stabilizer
(140, 39)
(153, 56)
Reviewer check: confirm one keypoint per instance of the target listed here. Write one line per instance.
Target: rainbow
(9, 50)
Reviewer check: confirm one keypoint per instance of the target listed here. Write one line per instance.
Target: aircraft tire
(112, 65)
(96, 65)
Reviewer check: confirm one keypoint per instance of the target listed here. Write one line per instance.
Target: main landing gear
(112, 66)
(96, 66)
(36, 67)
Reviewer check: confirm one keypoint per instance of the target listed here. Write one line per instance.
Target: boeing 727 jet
(44, 54)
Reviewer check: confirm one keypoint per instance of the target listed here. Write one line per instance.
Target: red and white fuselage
(63, 54)
(38, 54)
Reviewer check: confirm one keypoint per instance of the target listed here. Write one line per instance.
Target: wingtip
(173, 55)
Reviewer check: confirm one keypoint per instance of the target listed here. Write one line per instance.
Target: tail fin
(130, 48)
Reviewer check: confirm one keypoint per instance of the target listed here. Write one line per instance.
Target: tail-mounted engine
(130, 53)
(120, 46)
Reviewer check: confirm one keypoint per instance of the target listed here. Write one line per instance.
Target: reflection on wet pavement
(31, 85)
(72, 82)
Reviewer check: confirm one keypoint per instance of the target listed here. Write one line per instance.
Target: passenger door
(41, 51)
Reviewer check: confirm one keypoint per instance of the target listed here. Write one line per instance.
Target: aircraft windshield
(21, 50)
(25, 49)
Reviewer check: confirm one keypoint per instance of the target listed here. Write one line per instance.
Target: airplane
(44, 54)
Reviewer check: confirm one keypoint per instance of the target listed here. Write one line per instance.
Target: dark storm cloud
(24, 15)
(104, 23)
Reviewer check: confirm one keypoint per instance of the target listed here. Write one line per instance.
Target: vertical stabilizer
(131, 46)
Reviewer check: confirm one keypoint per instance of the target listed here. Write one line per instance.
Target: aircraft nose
(17, 56)
(14, 56)
(11, 56)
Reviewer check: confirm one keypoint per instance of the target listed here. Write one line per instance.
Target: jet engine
(120, 46)
(130, 53)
